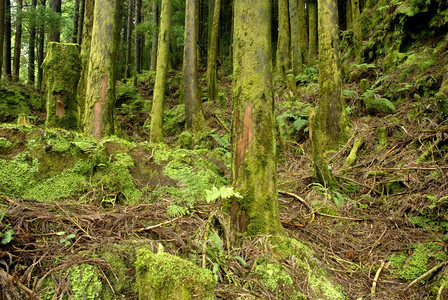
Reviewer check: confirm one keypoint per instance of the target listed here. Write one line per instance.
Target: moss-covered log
(62, 71)
(312, 21)
(100, 89)
(334, 123)
(163, 50)
(164, 276)
(254, 151)
(212, 86)
(284, 42)
(193, 103)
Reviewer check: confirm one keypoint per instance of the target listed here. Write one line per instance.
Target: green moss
(164, 276)
(350, 160)
(15, 101)
(57, 141)
(380, 105)
(185, 140)
(17, 174)
(85, 282)
(5, 143)
(272, 275)
(442, 105)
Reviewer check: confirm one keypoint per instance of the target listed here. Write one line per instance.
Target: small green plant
(7, 235)
(337, 197)
(222, 193)
(66, 240)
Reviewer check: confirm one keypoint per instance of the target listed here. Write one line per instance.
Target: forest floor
(383, 226)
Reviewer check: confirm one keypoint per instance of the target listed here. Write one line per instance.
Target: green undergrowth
(16, 101)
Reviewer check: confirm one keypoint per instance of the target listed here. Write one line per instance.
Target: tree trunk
(193, 105)
(313, 44)
(254, 152)
(18, 41)
(212, 87)
(40, 51)
(2, 32)
(62, 69)
(56, 7)
(334, 123)
(32, 47)
(100, 92)
(297, 59)
(163, 51)
(357, 32)
(155, 21)
(303, 30)
(137, 36)
(75, 22)
(7, 49)
(284, 41)
(129, 40)
(81, 21)
(84, 56)
(348, 14)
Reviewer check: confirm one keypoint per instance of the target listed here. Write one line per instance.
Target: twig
(375, 280)
(377, 241)
(417, 168)
(21, 286)
(221, 122)
(157, 225)
(303, 202)
(428, 273)
(339, 217)
(439, 293)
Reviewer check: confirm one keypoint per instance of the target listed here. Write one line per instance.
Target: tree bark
(313, 41)
(156, 134)
(212, 86)
(100, 92)
(32, 47)
(284, 41)
(18, 41)
(129, 39)
(348, 14)
(81, 21)
(40, 51)
(357, 32)
(193, 105)
(254, 151)
(2, 32)
(297, 59)
(55, 35)
(62, 69)
(138, 37)
(155, 21)
(303, 30)
(7, 49)
(334, 123)
(75, 22)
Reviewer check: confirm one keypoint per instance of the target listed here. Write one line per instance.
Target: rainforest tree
(254, 151)
(297, 59)
(17, 42)
(212, 86)
(100, 87)
(312, 25)
(284, 41)
(156, 134)
(357, 31)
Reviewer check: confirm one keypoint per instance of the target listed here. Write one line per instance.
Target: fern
(223, 193)
(223, 141)
(350, 94)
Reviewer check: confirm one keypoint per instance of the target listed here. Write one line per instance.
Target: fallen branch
(21, 286)
(302, 201)
(157, 225)
(375, 280)
(427, 274)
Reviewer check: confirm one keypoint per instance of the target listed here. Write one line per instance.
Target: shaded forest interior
(284, 149)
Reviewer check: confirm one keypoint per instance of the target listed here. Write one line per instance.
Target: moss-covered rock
(164, 276)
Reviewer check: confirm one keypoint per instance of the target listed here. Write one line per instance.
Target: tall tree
(296, 53)
(163, 51)
(303, 30)
(41, 46)
(32, 47)
(333, 119)
(357, 31)
(312, 21)
(56, 7)
(18, 41)
(81, 21)
(7, 45)
(212, 86)
(254, 152)
(129, 26)
(2, 32)
(284, 41)
(138, 37)
(100, 89)
(155, 22)
(193, 105)
(75, 22)
(348, 14)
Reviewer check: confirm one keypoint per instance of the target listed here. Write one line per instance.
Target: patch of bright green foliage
(5, 143)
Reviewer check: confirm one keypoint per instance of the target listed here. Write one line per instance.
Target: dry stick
(21, 286)
(433, 270)
(375, 280)
(439, 293)
(377, 242)
(155, 226)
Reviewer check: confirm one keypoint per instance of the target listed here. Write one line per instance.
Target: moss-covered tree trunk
(86, 38)
(348, 14)
(334, 123)
(100, 89)
(138, 37)
(163, 51)
(303, 29)
(129, 25)
(212, 86)
(7, 42)
(312, 20)
(155, 21)
(17, 42)
(2, 33)
(193, 105)
(253, 151)
(75, 22)
(357, 31)
(41, 46)
(296, 54)
(62, 70)
(32, 46)
(283, 61)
